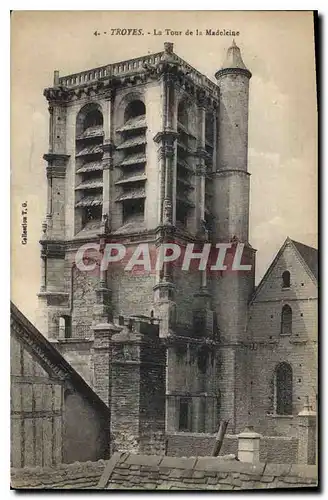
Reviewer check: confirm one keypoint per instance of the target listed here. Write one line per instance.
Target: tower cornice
(233, 71)
(168, 136)
(57, 158)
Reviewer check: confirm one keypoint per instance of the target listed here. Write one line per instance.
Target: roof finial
(233, 57)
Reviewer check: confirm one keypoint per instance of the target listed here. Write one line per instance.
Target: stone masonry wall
(272, 449)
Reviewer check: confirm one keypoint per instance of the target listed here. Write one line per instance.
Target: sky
(277, 47)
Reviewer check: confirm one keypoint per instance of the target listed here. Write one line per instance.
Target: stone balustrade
(132, 66)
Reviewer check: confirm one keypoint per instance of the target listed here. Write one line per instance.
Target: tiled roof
(90, 167)
(90, 201)
(153, 472)
(126, 471)
(79, 475)
(309, 255)
(134, 123)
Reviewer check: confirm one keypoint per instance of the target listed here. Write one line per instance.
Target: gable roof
(127, 471)
(308, 256)
(44, 350)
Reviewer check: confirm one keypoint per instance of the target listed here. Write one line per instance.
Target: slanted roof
(126, 471)
(233, 58)
(308, 256)
(40, 346)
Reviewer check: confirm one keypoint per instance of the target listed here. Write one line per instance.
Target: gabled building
(283, 340)
(55, 416)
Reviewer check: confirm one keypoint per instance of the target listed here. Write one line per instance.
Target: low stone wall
(79, 475)
(274, 449)
(150, 472)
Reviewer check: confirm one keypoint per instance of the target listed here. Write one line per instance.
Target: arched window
(134, 109)
(284, 389)
(93, 119)
(89, 118)
(286, 279)
(286, 320)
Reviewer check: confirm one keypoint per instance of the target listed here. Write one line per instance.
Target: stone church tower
(150, 150)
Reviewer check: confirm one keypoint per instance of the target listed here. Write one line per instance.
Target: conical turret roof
(233, 60)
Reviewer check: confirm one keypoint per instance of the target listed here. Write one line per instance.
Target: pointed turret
(231, 186)
(233, 62)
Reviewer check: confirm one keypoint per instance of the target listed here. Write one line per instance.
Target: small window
(218, 410)
(65, 327)
(286, 320)
(185, 415)
(284, 389)
(286, 279)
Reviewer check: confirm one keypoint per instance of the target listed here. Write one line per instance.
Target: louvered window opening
(185, 149)
(132, 146)
(89, 170)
